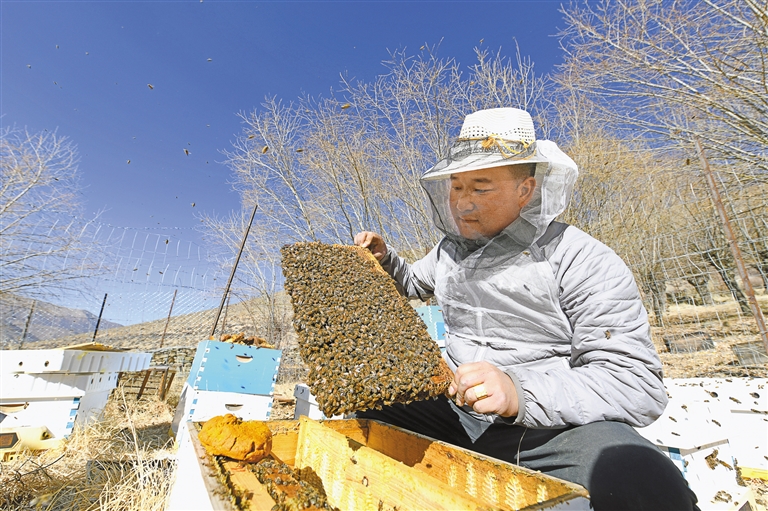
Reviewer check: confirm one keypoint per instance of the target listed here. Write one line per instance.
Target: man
(545, 329)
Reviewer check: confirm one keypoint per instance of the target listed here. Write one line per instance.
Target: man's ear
(525, 190)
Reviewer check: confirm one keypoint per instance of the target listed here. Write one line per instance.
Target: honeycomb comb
(364, 344)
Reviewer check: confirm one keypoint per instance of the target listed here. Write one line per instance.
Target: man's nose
(464, 203)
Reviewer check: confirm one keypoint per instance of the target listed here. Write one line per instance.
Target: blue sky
(91, 63)
(83, 68)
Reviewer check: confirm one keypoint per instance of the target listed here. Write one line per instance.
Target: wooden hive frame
(364, 344)
(365, 464)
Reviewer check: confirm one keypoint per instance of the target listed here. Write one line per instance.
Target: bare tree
(677, 70)
(41, 247)
(258, 282)
(326, 168)
(683, 74)
(323, 169)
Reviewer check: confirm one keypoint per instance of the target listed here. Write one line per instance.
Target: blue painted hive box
(432, 316)
(227, 367)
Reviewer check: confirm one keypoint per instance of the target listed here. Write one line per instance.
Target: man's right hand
(373, 242)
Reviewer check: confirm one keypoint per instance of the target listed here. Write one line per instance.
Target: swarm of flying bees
(364, 345)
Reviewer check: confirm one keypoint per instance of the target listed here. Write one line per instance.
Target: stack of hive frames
(364, 345)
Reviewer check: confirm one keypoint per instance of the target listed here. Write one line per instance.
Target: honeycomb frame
(364, 345)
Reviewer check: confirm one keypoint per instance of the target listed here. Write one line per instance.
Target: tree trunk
(699, 282)
(726, 271)
(762, 267)
(657, 289)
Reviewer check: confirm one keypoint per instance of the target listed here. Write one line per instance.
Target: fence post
(98, 321)
(232, 273)
(173, 300)
(26, 325)
(735, 250)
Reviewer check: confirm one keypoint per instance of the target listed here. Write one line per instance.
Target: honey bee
(347, 312)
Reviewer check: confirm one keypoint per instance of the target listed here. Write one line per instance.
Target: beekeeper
(545, 329)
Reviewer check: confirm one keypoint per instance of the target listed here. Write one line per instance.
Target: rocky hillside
(48, 321)
(249, 317)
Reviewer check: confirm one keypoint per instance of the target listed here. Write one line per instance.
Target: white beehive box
(56, 401)
(45, 393)
(710, 425)
(21, 386)
(306, 404)
(72, 361)
(227, 378)
(201, 405)
(56, 414)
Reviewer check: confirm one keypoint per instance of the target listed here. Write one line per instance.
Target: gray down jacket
(563, 319)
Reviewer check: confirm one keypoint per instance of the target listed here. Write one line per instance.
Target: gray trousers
(619, 468)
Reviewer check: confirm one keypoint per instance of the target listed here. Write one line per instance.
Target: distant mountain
(48, 321)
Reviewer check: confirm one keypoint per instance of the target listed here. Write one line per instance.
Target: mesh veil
(555, 176)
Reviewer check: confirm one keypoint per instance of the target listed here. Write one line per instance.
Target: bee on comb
(363, 343)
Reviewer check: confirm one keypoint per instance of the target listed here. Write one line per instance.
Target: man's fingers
(363, 239)
(480, 392)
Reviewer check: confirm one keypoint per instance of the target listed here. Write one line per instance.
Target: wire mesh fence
(705, 294)
(163, 292)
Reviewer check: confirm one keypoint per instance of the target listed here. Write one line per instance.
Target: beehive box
(365, 464)
(432, 315)
(228, 367)
(86, 358)
(201, 405)
(306, 404)
(44, 393)
(716, 431)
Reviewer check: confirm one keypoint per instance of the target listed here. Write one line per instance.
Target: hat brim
(478, 161)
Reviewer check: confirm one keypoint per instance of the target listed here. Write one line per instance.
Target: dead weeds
(122, 462)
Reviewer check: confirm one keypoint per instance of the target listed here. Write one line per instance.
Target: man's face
(484, 202)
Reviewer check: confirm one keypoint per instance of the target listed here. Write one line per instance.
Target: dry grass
(122, 462)
(135, 470)
(125, 461)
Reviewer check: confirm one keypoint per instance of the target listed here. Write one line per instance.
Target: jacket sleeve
(415, 280)
(614, 372)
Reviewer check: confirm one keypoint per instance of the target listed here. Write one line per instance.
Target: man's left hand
(484, 387)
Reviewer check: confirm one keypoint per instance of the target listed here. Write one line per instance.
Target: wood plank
(397, 468)
(147, 373)
(285, 435)
(168, 384)
(358, 477)
(492, 481)
(209, 474)
(356, 429)
(254, 495)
